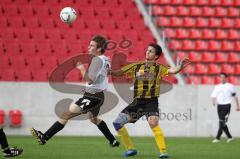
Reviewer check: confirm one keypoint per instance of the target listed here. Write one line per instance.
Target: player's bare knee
(95, 120)
(73, 108)
(153, 121)
(121, 120)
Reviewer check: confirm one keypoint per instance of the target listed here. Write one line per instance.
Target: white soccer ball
(68, 15)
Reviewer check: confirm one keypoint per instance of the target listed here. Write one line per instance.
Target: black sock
(56, 127)
(3, 140)
(102, 126)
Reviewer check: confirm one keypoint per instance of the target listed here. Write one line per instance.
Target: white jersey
(223, 93)
(98, 73)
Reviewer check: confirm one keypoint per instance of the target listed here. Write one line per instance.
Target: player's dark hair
(101, 42)
(158, 49)
(224, 74)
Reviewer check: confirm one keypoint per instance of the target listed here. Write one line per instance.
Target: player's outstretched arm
(82, 69)
(237, 103)
(178, 68)
(116, 72)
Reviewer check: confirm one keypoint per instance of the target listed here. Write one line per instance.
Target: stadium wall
(184, 111)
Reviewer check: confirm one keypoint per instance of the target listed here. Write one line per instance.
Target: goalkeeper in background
(147, 77)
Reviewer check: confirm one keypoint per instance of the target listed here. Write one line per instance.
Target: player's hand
(185, 62)
(140, 73)
(80, 66)
(238, 109)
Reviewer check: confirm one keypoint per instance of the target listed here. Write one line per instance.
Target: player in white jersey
(222, 96)
(96, 82)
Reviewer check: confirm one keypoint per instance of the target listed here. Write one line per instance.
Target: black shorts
(141, 107)
(91, 102)
(224, 112)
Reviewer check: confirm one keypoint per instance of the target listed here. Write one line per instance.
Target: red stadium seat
(200, 69)
(170, 33)
(194, 57)
(103, 13)
(237, 69)
(156, 10)
(18, 62)
(217, 79)
(12, 49)
(188, 2)
(7, 34)
(213, 69)
(15, 118)
(236, 3)
(187, 45)
(2, 118)
(237, 23)
(174, 44)
(201, 22)
(10, 10)
(227, 23)
(181, 33)
(226, 46)
(4, 62)
(22, 34)
(213, 45)
(220, 57)
(50, 63)
(220, 12)
(15, 22)
(233, 12)
(195, 34)
(26, 11)
(220, 34)
(7, 75)
(195, 11)
(227, 2)
(207, 80)
(234, 80)
(182, 11)
(200, 45)
(163, 21)
(207, 57)
(207, 11)
(227, 68)
(207, 34)
(188, 22)
(28, 49)
(44, 49)
(237, 45)
(23, 75)
(39, 75)
(193, 80)
(214, 23)
(38, 34)
(41, 11)
(188, 70)
(175, 21)
(31, 22)
(233, 34)
(233, 57)
(214, 2)
(168, 10)
(34, 63)
(175, 2)
(47, 23)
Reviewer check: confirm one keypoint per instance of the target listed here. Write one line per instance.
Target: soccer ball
(68, 15)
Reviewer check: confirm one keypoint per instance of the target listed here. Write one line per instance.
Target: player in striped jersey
(147, 77)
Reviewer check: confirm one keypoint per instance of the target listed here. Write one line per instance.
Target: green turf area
(97, 148)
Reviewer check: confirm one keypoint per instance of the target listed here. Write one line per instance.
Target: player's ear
(99, 49)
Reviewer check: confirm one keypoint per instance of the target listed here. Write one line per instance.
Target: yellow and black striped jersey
(146, 79)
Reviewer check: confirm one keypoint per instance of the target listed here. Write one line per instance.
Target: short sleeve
(95, 68)
(163, 71)
(214, 92)
(129, 69)
(232, 89)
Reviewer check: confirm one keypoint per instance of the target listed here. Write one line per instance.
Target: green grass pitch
(97, 148)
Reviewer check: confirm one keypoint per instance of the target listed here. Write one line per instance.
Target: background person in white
(222, 96)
